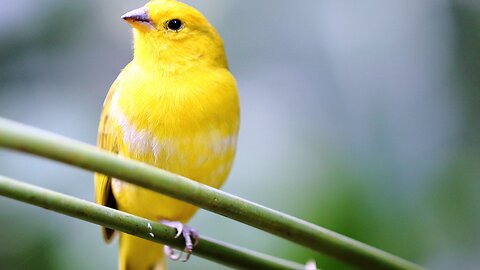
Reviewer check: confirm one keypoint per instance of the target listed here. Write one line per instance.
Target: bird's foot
(188, 234)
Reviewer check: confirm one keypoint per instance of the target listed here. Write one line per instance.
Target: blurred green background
(362, 117)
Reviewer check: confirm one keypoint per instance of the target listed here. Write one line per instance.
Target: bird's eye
(174, 25)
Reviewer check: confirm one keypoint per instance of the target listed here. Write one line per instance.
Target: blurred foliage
(455, 200)
(27, 244)
(51, 31)
(373, 216)
(467, 20)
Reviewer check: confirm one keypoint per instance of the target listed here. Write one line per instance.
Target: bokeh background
(360, 116)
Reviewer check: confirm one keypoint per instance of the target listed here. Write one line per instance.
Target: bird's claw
(171, 253)
(188, 234)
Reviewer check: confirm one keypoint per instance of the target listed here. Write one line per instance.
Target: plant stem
(35, 141)
(213, 250)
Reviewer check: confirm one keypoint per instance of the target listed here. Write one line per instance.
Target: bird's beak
(139, 19)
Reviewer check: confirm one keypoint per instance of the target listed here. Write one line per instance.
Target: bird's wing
(106, 140)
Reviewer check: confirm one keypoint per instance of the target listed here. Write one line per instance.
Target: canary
(174, 106)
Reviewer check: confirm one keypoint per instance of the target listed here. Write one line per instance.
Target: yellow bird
(174, 106)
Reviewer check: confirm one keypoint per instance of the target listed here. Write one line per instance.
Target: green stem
(213, 250)
(27, 139)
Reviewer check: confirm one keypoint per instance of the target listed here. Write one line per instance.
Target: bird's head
(173, 34)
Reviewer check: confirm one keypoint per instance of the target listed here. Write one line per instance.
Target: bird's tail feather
(139, 254)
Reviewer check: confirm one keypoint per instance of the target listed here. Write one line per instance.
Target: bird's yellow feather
(175, 106)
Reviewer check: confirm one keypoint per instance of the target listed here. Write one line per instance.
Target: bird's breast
(203, 145)
(183, 123)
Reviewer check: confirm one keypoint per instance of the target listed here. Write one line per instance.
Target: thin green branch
(27, 139)
(226, 254)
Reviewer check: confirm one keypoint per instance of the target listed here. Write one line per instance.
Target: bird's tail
(139, 254)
